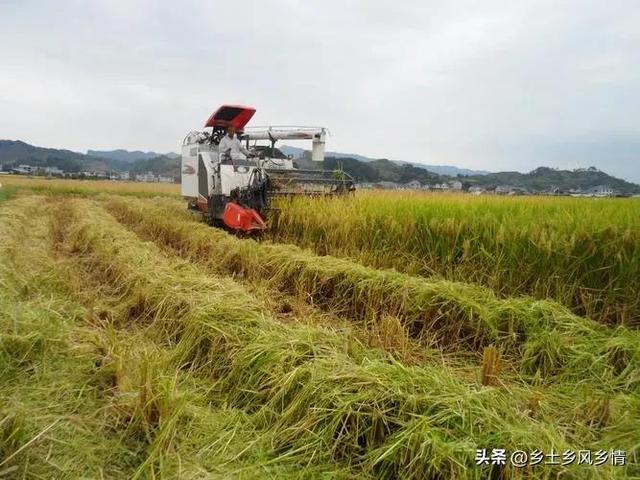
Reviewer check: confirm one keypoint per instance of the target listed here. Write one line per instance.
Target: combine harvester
(235, 194)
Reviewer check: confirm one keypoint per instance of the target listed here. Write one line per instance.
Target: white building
(53, 171)
(601, 191)
(413, 185)
(503, 189)
(26, 169)
(146, 177)
(455, 185)
(165, 179)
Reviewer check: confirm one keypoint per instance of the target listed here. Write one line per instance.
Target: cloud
(491, 85)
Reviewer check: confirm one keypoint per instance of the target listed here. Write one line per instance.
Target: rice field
(581, 252)
(137, 342)
(89, 187)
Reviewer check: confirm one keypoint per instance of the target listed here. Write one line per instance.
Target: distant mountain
(452, 171)
(16, 152)
(381, 171)
(544, 178)
(444, 169)
(160, 165)
(540, 179)
(128, 156)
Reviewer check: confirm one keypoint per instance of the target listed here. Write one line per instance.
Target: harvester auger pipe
(236, 191)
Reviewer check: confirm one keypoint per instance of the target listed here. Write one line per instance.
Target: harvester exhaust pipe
(317, 147)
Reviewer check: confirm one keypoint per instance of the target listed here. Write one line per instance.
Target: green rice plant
(321, 398)
(550, 341)
(584, 253)
(7, 192)
(13, 439)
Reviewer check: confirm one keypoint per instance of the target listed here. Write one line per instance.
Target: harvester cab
(235, 192)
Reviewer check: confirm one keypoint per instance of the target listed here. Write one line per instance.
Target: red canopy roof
(235, 115)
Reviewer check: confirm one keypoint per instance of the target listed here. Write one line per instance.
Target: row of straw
(584, 253)
(82, 399)
(545, 339)
(327, 400)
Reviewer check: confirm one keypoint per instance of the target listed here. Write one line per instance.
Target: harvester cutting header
(232, 184)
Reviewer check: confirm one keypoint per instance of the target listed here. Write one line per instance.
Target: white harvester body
(224, 187)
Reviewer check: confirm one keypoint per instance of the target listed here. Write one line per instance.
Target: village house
(413, 185)
(146, 177)
(24, 169)
(503, 189)
(53, 171)
(601, 191)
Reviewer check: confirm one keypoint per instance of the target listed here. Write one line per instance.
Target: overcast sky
(495, 85)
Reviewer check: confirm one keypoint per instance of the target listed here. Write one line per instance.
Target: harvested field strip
(584, 253)
(546, 340)
(90, 188)
(186, 432)
(323, 399)
(79, 399)
(386, 333)
(53, 419)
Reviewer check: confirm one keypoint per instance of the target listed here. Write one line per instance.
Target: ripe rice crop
(135, 342)
(547, 339)
(90, 187)
(584, 253)
(379, 415)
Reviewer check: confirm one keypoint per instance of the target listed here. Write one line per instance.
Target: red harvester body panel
(236, 115)
(240, 218)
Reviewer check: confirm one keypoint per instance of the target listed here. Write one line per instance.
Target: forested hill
(15, 152)
(382, 170)
(540, 179)
(544, 178)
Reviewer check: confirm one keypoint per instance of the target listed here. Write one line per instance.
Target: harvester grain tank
(235, 193)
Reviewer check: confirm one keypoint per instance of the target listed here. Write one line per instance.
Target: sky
(492, 85)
